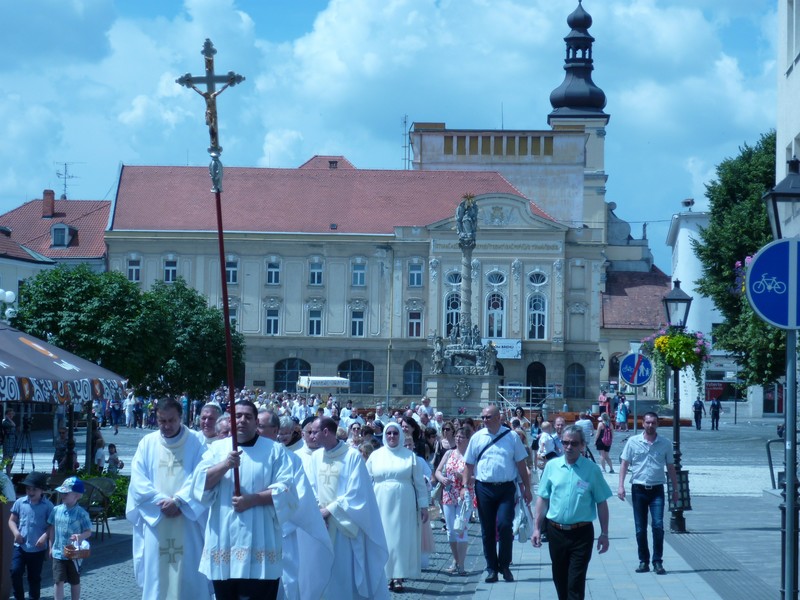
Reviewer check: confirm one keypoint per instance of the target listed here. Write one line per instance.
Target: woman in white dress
(402, 497)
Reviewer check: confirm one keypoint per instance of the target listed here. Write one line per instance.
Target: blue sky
(91, 83)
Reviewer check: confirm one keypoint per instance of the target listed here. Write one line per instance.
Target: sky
(89, 85)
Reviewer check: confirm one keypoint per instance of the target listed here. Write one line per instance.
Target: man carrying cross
(243, 548)
(167, 522)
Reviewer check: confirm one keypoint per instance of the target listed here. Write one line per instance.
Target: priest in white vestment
(168, 522)
(307, 548)
(347, 503)
(243, 550)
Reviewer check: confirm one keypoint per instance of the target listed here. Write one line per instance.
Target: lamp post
(783, 206)
(677, 304)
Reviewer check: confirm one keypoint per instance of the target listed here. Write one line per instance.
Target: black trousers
(570, 552)
(714, 420)
(496, 512)
(246, 589)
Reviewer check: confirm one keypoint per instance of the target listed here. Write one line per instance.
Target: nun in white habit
(402, 496)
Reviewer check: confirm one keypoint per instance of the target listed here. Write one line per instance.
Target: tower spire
(578, 96)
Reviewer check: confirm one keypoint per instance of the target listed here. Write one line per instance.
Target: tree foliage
(188, 341)
(738, 227)
(165, 341)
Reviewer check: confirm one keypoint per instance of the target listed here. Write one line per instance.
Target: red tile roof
(632, 300)
(306, 200)
(11, 249)
(87, 217)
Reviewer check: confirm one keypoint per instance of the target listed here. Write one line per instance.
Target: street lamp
(676, 305)
(783, 206)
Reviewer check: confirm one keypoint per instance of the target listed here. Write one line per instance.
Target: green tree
(165, 341)
(186, 340)
(738, 227)
(91, 314)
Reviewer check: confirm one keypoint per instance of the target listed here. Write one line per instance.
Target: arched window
(452, 312)
(495, 315)
(412, 378)
(537, 317)
(361, 375)
(575, 385)
(287, 371)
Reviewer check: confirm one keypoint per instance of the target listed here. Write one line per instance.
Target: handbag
(436, 494)
(461, 522)
(522, 526)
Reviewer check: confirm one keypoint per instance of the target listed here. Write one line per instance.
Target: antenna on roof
(65, 175)
(405, 146)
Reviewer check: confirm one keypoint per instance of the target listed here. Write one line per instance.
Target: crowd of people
(311, 480)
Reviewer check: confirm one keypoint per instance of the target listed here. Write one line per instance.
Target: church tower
(578, 103)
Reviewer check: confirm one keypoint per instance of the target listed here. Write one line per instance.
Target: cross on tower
(210, 80)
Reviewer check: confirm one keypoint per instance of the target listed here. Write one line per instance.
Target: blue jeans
(32, 561)
(645, 500)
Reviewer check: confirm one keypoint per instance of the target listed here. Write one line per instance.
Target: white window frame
(452, 315)
(315, 322)
(273, 272)
(170, 270)
(495, 317)
(414, 329)
(415, 272)
(537, 314)
(272, 322)
(359, 275)
(316, 273)
(232, 271)
(358, 319)
(134, 271)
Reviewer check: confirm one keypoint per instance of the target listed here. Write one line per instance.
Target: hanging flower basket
(678, 350)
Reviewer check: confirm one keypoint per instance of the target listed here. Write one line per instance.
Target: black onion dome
(578, 94)
(579, 19)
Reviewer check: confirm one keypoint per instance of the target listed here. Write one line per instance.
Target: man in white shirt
(647, 456)
(496, 458)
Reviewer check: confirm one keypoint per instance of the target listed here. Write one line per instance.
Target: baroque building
(334, 270)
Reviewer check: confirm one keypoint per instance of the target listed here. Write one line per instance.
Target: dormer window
(60, 235)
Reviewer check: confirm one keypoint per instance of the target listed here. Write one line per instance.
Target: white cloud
(687, 81)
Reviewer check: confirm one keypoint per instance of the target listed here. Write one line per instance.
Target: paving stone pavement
(732, 551)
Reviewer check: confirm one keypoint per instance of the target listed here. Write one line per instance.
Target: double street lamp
(676, 305)
(783, 207)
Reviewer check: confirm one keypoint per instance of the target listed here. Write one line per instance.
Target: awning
(34, 371)
(308, 382)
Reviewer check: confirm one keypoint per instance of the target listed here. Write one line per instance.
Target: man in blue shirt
(572, 493)
(496, 458)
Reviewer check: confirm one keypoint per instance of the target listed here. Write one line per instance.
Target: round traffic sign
(635, 369)
(772, 282)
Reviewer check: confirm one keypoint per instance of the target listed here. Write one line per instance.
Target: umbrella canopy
(34, 371)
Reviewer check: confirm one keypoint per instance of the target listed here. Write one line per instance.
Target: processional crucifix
(210, 81)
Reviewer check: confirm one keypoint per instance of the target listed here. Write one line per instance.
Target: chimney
(48, 204)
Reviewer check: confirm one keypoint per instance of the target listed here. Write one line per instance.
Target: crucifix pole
(209, 80)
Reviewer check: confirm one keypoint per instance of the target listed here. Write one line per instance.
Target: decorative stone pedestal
(451, 392)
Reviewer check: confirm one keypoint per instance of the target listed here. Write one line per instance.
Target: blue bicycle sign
(773, 283)
(769, 284)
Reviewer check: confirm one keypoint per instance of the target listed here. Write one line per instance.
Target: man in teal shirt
(572, 493)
